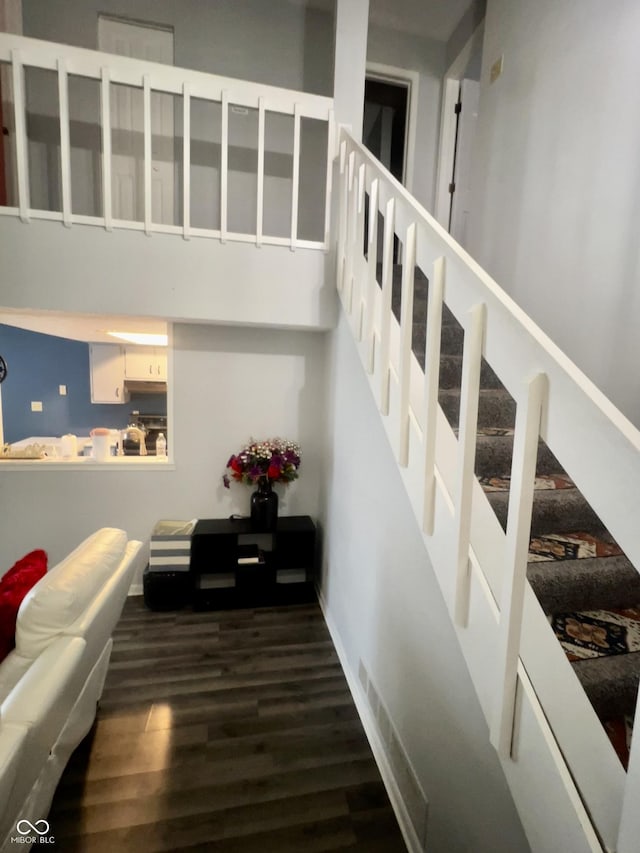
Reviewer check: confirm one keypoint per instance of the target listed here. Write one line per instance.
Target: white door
(462, 170)
(127, 125)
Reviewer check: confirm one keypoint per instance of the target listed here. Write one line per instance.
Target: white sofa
(51, 682)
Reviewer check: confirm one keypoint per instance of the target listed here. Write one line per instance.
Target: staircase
(523, 479)
(588, 589)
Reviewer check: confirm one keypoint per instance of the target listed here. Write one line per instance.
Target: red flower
(235, 465)
(273, 472)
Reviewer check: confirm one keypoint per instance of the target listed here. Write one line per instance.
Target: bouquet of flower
(274, 459)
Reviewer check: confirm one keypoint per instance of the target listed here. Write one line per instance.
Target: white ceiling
(80, 327)
(434, 19)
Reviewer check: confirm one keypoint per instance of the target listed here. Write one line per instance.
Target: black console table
(226, 574)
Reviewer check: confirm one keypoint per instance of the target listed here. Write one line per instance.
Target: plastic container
(69, 446)
(101, 439)
(161, 446)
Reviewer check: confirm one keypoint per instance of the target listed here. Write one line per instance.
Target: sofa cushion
(14, 585)
(65, 592)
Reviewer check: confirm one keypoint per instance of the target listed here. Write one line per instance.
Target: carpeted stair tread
(451, 373)
(494, 454)
(611, 683)
(451, 340)
(496, 407)
(584, 584)
(553, 509)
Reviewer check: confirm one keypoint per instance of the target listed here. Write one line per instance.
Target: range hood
(144, 386)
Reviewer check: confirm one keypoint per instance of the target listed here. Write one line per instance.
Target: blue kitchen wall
(37, 365)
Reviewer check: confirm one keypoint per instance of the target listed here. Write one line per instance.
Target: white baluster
(186, 161)
(22, 155)
(65, 144)
(295, 184)
(523, 473)
(146, 89)
(630, 820)
(224, 164)
(342, 223)
(260, 186)
(406, 334)
(385, 305)
(372, 284)
(105, 104)
(358, 260)
(469, 397)
(431, 388)
(347, 284)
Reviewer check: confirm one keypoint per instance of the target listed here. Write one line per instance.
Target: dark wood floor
(225, 732)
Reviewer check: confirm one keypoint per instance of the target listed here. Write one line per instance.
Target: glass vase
(264, 506)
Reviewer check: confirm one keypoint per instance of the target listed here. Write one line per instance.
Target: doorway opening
(384, 130)
(389, 125)
(390, 115)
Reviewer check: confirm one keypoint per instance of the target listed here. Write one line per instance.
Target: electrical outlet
(496, 69)
(36, 406)
(62, 390)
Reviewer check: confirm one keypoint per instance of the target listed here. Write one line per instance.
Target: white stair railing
(19, 53)
(568, 784)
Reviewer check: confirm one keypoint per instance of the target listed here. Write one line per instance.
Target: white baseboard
(411, 839)
(135, 589)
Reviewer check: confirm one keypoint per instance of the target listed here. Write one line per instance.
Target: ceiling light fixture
(143, 338)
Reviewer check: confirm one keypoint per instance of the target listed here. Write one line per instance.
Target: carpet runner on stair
(587, 588)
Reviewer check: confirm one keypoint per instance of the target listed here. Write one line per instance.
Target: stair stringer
(548, 801)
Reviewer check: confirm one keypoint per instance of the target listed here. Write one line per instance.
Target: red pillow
(14, 585)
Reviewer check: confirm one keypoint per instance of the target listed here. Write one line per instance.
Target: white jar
(69, 446)
(161, 446)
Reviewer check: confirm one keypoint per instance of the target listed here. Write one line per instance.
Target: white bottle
(161, 446)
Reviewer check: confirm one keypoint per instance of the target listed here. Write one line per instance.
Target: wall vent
(413, 796)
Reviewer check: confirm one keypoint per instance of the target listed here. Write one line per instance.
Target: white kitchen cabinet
(107, 373)
(145, 363)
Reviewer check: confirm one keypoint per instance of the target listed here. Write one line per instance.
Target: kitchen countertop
(56, 461)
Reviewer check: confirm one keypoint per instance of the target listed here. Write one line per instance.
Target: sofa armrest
(12, 739)
(96, 624)
(34, 714)
(47, 691)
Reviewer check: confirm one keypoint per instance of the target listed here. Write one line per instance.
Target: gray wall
(385, 601)
(427, 57)
(555, 211)
(89, 271)
(249, 39)
(278, 43)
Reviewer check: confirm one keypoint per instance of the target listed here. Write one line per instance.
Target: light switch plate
(63, 390)
(36, 406)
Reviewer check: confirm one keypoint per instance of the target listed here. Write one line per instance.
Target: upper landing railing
(100, 139)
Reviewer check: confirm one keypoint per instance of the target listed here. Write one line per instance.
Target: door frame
(448, 121)
(408, 79)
